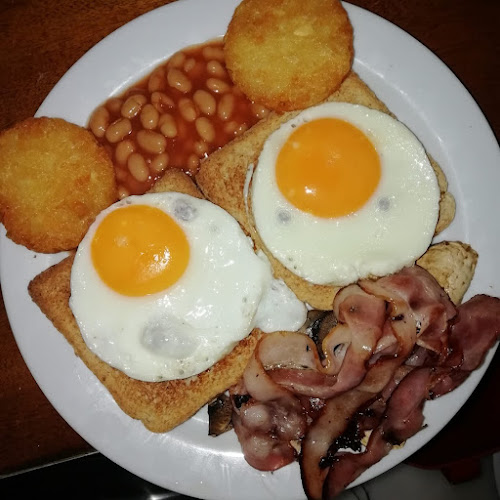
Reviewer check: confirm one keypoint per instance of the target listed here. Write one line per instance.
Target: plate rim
(353, 10)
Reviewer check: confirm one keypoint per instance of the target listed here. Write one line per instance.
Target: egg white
(186, 328)
(390, 231)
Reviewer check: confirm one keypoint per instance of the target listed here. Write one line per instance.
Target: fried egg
(164, 285)
(343, 192)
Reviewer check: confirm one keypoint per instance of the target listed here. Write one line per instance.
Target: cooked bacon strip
(286, 363)
(317, 451)
(444, 380)
(350, 466)
(476, 329)
(395, 343)
(267, 422)
(404, 416)
(329, 426)
(265, 432)
(292, 361)
(332, 422)
(399, 375)
(428, 301)
(421, 357)
(402, 419)
(362, 319)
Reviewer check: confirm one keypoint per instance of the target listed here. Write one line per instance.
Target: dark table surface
(41, 39)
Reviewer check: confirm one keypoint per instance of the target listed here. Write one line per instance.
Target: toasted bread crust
(453, 264)
(176, 180)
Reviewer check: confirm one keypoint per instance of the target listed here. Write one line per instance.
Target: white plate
(417, 87)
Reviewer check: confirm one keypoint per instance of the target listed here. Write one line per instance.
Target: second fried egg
(343, 192)
(164, 285)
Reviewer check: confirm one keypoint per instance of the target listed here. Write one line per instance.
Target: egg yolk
(328, 168)
(139, 250)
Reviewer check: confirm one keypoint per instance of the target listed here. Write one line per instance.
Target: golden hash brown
(289, 54)
(54, 180)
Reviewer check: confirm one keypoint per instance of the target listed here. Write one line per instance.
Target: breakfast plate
(418, 88)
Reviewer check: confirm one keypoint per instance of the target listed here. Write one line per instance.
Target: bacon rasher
(396, 342)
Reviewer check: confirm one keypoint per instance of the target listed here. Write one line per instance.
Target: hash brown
(54, 180)
(289, 54)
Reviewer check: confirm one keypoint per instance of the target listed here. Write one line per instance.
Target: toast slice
(161, 406)
(223, 180)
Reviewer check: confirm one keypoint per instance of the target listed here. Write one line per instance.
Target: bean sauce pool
(185, 109)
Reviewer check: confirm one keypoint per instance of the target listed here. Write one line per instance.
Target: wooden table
(41, 39)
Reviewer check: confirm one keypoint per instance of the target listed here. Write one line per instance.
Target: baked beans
(177, 60)
(161, 101)
(205, 129)
(193, 162)
(189, 65)
(118, 130)
(205, 101)
(259, 111)
(132, 105)
(211, 52)
(168, 127)
(185, 109)
(149, 117)
(201, 148)
(114, 105)
(159, 163)
(151, 142)
(226, 106)
(99, 121)
(156, 80)
(179, 80)
(123, 150)
(217, 85)
(138, 167)
(215, 68)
